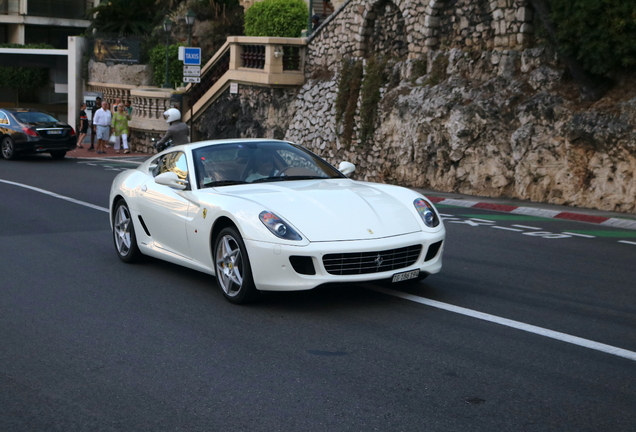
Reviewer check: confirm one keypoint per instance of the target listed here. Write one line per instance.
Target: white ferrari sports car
(269, 215)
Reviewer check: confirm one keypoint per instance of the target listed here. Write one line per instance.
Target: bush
(600, 34)
(277, 18)
(158, 63)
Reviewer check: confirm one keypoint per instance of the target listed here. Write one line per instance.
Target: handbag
(112, 139)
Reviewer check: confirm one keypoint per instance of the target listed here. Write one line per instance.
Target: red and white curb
(530, 211)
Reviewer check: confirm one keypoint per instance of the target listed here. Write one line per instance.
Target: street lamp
(189, 19)
(167, 26)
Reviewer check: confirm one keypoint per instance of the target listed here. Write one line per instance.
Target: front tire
(124, 234)
(232, 265)
(59, 154)
(8, 148)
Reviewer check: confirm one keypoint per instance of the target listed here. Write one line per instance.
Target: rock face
(468, 106)
(488, 129)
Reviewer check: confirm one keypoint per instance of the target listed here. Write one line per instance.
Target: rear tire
(232, 266)
(8, 148)
(124, 234)
(58, 154)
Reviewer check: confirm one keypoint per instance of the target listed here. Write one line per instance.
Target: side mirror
(171, 179)
(346, 168)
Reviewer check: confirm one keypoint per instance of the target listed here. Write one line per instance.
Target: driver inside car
(263, 168)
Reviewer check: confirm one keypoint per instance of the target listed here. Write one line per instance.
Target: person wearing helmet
(178, 131)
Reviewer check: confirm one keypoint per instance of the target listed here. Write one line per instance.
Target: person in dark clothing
(97, 106)
(83, 126)
(178, 131)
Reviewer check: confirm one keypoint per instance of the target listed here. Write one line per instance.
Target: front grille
(371, 262)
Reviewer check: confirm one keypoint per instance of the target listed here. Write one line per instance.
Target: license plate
(413, 274)
(55, 132)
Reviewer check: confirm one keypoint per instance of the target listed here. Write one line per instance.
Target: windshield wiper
(285, 178)
(223, 183)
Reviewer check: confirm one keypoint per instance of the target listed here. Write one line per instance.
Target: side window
(173, 162)
(3, 119)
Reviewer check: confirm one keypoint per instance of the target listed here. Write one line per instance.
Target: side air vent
(302, 265)
(143, 225)
(432, 251)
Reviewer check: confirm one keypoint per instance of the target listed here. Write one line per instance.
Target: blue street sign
(192, 56)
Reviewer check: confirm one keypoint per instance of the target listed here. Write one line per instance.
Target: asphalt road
(527, 328)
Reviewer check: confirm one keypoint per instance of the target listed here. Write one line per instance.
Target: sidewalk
(110, 152)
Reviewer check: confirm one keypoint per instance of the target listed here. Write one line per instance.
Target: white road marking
(563, 337)
(446, 215)
(45, 192)
(578, 235)
(507, 229)
(528, 211)
(627, 242)
(546, 235)
(526, 227)
(483, 220)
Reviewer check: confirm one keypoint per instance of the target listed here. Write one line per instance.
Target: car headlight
(426, 211)
(278, 227)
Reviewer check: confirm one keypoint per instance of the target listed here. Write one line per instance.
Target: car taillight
(30, 132)
(72, 132)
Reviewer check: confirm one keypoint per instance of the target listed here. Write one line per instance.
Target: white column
(76, 47)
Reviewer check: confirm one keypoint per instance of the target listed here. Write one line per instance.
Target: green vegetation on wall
(374, 78)
(600, 34)
(276, 18)
(158, 63)
(26, 80)
(348, 94)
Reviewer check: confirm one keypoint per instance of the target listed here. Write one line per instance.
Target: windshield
(34, 117)
(258, 162)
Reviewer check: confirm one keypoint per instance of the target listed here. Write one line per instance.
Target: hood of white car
(332, 210)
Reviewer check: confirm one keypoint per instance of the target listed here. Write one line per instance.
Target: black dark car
(32, 131)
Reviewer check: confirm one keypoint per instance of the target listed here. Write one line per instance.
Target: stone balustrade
(148, 103)
(264, 61)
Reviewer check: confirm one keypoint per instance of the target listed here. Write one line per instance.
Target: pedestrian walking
(120, 128)
(102, 120)
(83, 126)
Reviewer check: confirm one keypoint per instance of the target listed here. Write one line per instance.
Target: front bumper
(273, 271)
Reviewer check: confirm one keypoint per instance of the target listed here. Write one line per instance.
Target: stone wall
(425, 25)
(134, 75)
(254, 112)
(468, 107)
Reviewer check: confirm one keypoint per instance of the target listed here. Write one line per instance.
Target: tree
(125, 16)
(594, 37)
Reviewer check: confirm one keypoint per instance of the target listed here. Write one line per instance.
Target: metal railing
(211, 76)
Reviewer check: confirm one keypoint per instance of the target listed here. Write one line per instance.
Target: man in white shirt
(102, 120)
